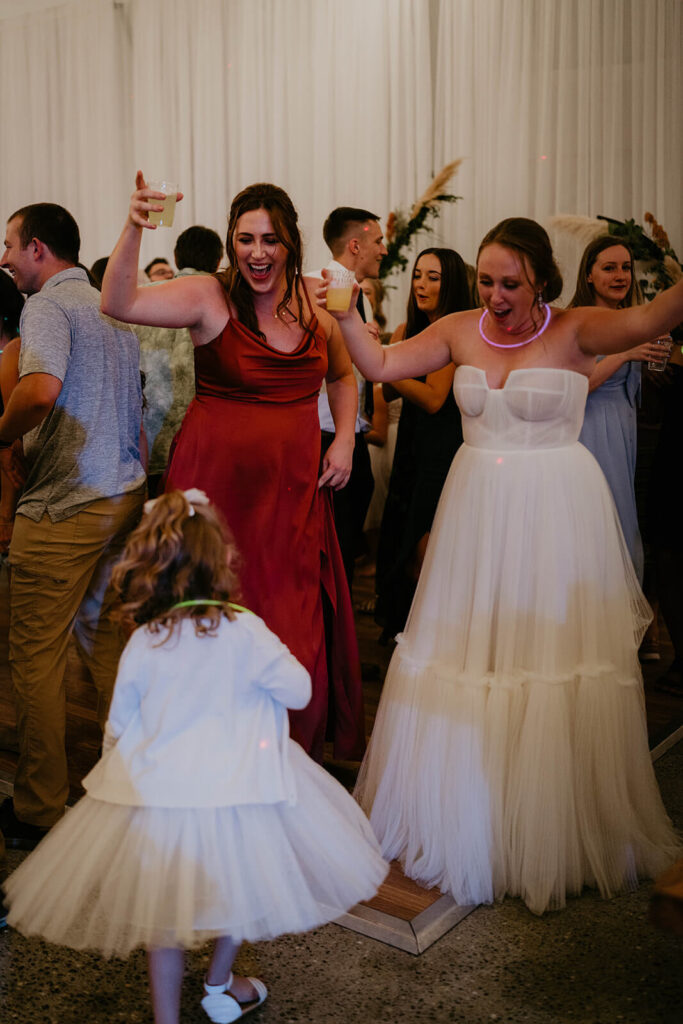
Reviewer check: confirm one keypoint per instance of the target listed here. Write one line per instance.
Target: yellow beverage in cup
(339, 298)
(164, 219)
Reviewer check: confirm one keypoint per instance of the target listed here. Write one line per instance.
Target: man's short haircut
(199, 248)
(153, 263)
(337, 225)
(53, 226)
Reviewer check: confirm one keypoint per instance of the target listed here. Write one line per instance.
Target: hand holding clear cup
(152, 204)
(338, 291)
(666, 343)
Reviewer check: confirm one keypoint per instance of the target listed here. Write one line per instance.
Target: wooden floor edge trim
(375, 924)
(670, 741)
(438, 919)
(413, 936)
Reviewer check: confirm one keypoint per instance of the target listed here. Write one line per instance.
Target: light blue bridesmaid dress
(610, 433)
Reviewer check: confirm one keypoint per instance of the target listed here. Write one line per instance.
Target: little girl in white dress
(203, 819)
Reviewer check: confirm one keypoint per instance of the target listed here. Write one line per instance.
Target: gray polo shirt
(88, 446)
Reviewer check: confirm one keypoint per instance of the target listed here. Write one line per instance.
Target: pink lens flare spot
(263, 744)
(499, 461)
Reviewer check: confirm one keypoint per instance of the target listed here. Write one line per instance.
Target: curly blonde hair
(179, 552)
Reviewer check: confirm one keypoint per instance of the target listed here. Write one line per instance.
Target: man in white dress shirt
(354, 237)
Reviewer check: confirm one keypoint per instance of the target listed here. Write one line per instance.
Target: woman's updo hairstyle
(531, 242)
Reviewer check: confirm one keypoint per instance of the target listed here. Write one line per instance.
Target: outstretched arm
(428, 351)
(610, 364)
(605, 331)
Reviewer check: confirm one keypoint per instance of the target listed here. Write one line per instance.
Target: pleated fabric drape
(564, 107)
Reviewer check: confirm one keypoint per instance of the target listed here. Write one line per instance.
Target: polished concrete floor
(596, 962)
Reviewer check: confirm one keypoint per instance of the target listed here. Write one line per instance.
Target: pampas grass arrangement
(401, 228)
(583, 229)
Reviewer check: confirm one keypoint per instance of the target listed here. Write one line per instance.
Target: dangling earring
(540, 302)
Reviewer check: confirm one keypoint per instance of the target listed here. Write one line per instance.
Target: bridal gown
(510, 754)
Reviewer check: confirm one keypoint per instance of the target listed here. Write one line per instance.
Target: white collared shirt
(324, 412)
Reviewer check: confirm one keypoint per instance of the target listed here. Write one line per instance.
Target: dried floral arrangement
(649, 244)
(401, 227)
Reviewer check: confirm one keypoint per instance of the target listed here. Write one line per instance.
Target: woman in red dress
(250, 438)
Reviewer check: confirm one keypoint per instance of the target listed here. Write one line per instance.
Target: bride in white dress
(509, 754)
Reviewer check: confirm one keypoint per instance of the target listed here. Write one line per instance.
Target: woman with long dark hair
(429, 434)
(250, 438)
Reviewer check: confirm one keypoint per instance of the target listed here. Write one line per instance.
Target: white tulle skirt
(110, 877)
(510, 754)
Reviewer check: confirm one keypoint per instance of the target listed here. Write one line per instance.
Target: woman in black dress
(429, 434)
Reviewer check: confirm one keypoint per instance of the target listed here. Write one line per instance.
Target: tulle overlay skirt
(510, 754)
(110, 877)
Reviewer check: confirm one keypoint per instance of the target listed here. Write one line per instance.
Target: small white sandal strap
(222, 1007)
(260, 988)
(216, 990)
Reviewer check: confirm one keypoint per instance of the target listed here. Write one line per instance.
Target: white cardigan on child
(201, 721)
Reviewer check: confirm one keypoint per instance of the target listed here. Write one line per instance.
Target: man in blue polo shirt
(78, 407)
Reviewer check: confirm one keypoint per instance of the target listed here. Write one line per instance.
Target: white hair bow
(193, 497)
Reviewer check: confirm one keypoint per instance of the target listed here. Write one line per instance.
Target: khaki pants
(59, 583)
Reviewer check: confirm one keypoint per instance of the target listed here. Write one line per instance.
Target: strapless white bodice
(539, 407)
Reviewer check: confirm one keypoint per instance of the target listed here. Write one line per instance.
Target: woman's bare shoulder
(216, 310)
(463, 317)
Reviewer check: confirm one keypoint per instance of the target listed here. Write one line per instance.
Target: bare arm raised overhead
(194, 302)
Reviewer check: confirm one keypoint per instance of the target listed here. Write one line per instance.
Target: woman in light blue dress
(609, 430)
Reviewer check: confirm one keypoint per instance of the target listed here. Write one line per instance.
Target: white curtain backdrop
(570, 106)
(331, 101)
(64, 116)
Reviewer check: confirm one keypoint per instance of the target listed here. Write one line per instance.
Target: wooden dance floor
(403, 913)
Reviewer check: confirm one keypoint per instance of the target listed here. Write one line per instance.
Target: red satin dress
(251, 440)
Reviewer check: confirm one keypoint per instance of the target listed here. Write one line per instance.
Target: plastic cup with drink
(163, 218)
(666, 343)
(340, 288)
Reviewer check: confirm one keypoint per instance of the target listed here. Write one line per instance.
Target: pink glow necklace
(518, 344)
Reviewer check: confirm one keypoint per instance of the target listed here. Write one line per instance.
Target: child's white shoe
(222, 1008)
